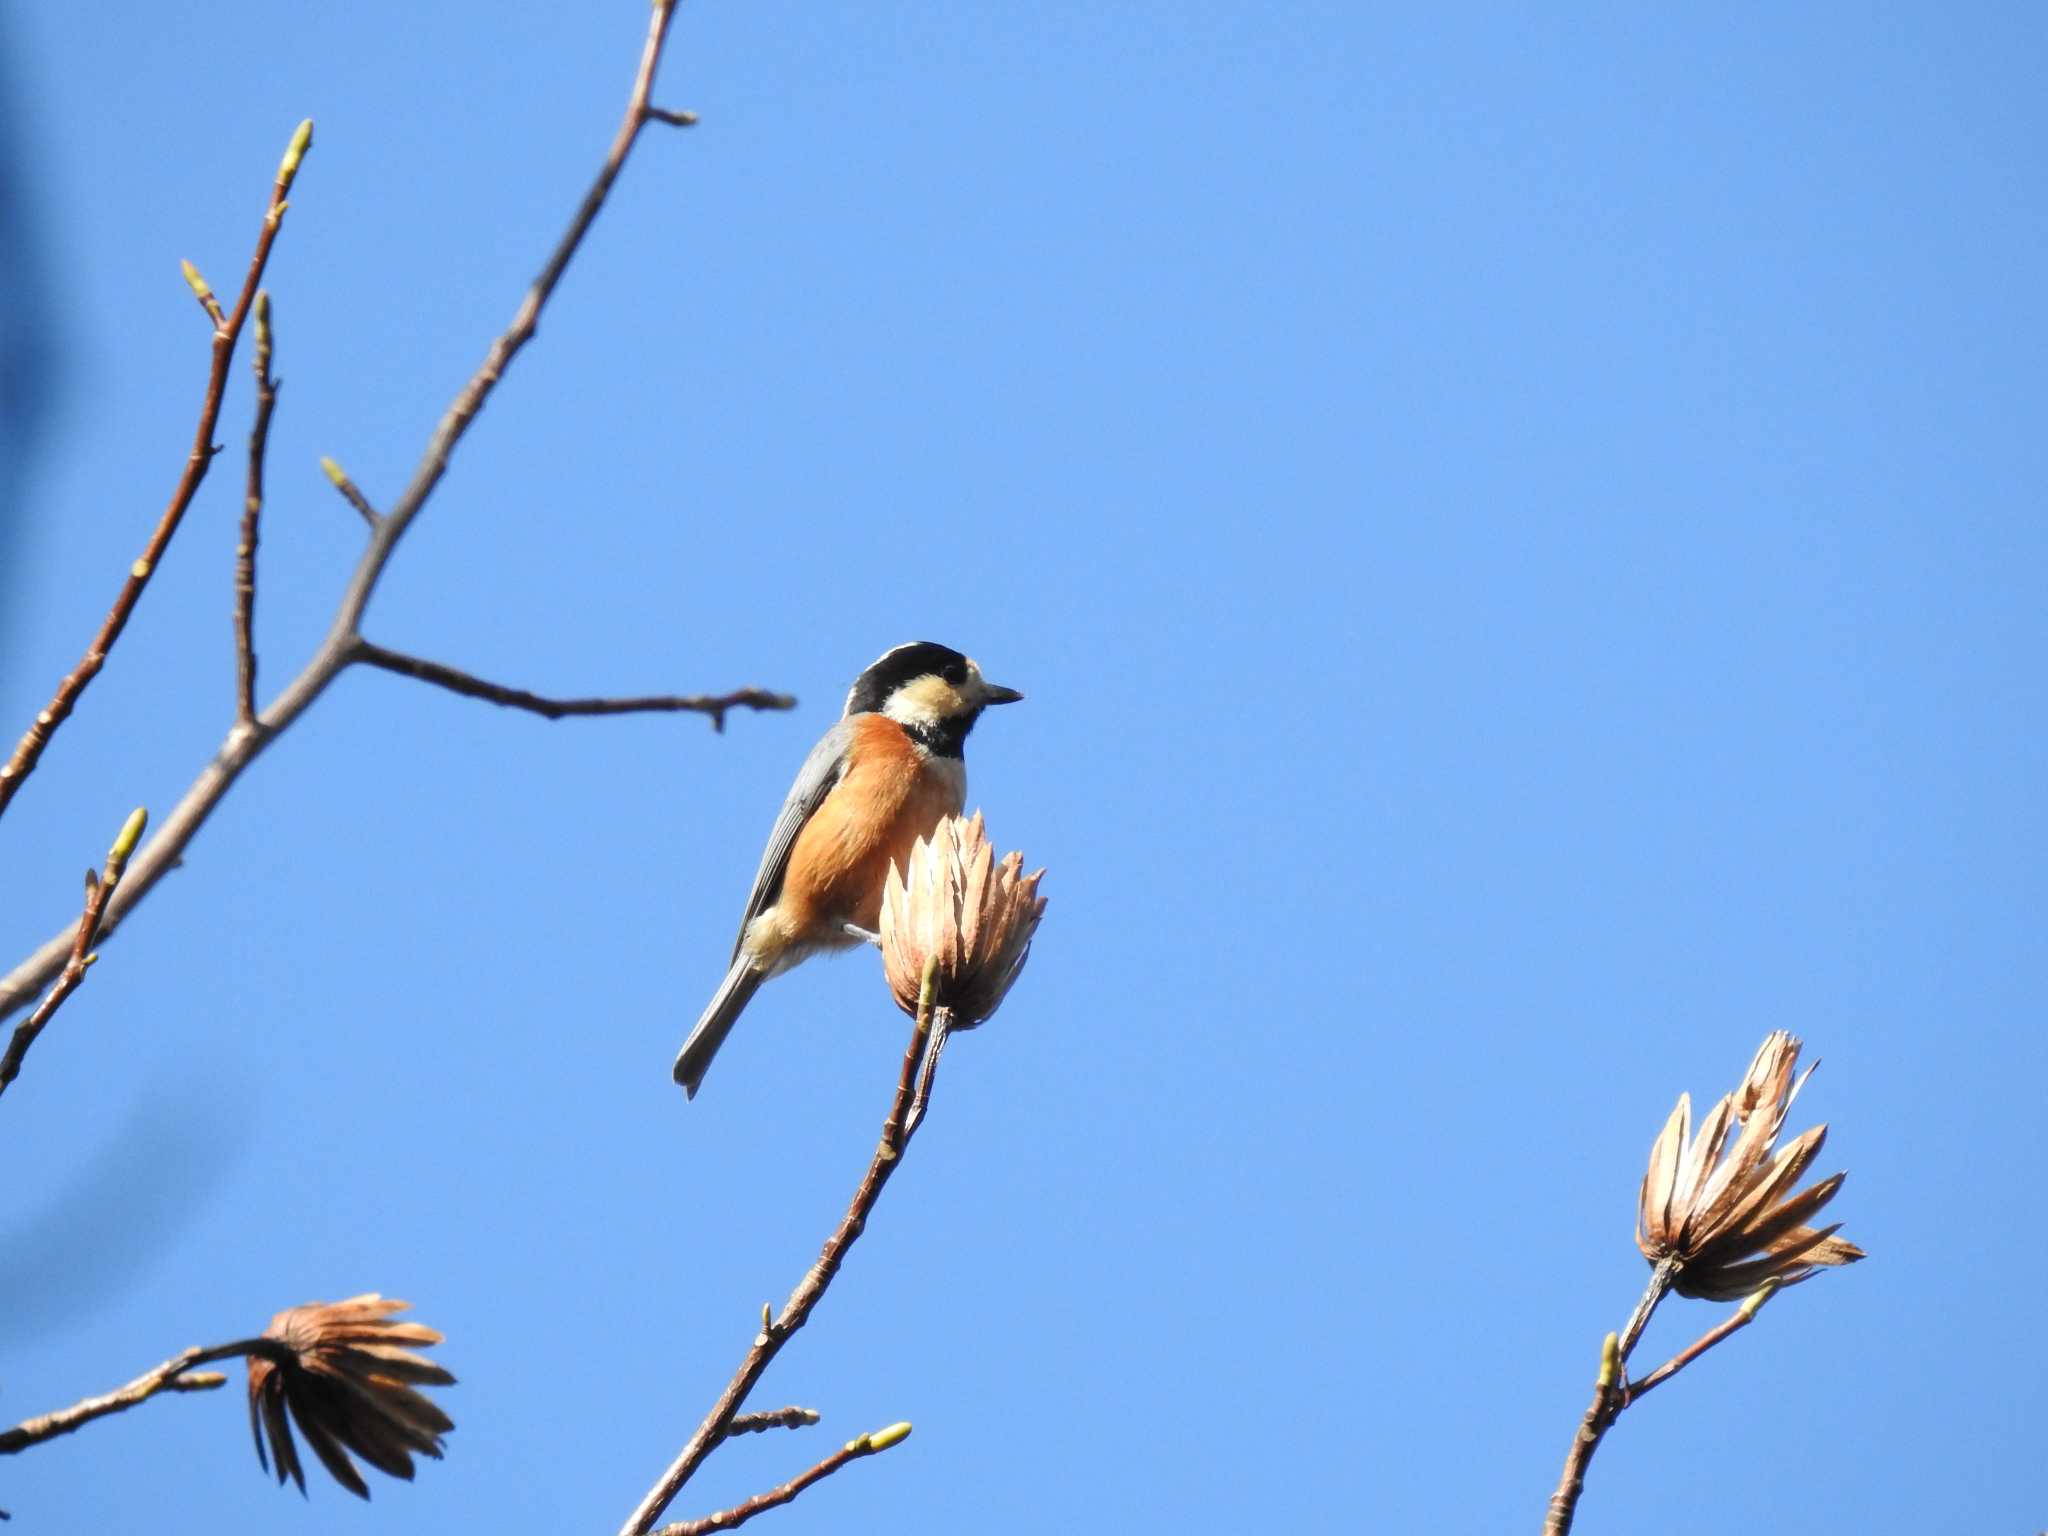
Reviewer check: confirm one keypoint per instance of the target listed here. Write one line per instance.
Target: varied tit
(883, 777)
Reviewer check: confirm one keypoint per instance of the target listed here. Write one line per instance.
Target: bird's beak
(996, 693)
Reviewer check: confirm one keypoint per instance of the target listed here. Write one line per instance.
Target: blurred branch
(252, 514)
(246, 740)
(203, 292)
(897, 1130)
(99, 890)
(168, 1377)
(338, 477)
(227, 331)
(774, 1418)
(714, 705)
(740, 1514)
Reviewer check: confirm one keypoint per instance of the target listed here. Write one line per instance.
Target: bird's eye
(955, 673)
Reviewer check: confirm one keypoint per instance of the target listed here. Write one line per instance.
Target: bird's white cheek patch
(926, 701)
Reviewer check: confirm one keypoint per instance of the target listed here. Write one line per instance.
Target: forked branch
(227, 331)
(740, 1514)
(99, 891)
(174, 1375)
(246, 740)
(928, 1032)
(713, 704)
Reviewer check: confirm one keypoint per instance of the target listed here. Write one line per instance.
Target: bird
(887, 773)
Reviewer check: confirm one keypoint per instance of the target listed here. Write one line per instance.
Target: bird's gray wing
(821, 770)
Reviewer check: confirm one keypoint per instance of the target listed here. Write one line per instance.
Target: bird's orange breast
(891, 795)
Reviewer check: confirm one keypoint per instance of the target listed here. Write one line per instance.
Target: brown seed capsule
(1730, 1223)
(348, 1383)
(975, 915)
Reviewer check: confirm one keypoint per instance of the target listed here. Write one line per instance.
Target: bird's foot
(863, 935)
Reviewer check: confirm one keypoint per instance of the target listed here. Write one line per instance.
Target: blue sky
(1522, 534)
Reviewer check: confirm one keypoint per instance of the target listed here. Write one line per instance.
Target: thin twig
(226, 332)
(203, 292)
(99, 890)
(169, 1377)
(252, 515)
(1610, 1396)
(245, 743)
(740, 1514)
(942, 1031)
(1607, 1402)
(391, 528)
(1740, 1319)
(1661, 1278)
(1613, 1392)
(896, 1133)
(714, 705)
(773, 1418)
(351, 493)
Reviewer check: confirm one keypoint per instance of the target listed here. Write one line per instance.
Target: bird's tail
(694, 1060)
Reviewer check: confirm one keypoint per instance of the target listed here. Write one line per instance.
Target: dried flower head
(955, 902)
(348, 1381)
(1730, 1224)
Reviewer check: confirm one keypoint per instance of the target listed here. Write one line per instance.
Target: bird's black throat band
(943, 738)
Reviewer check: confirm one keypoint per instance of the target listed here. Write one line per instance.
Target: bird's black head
(932, 691)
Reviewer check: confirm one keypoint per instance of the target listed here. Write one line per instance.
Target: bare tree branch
(252, 515)
(1610, 1396)
(169, 1377)
(714, 705)
(203, 292)
(246, 741)
(1600, 1415)
(1662, 1275)
(773, 1418)
(1613, 1392)
(227, 330)
(391, 527)
(1740, 1319)
(897, 1130)
(740, 1514)
(338, 477)
(941, 1032)
(99, 890)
